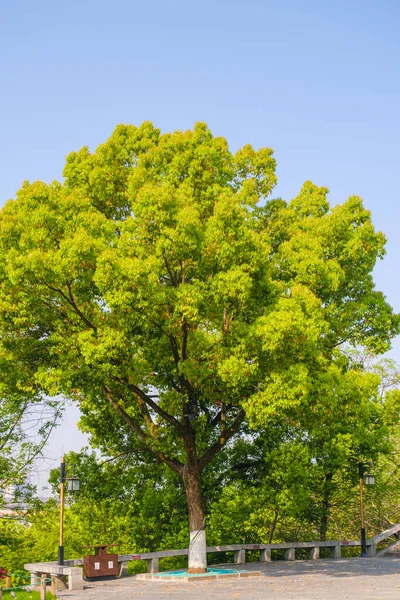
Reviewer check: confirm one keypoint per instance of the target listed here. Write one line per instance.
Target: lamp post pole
(62, 485)
(363, 536)
(73, 485)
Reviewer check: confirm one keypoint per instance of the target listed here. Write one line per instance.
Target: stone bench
(66, 575)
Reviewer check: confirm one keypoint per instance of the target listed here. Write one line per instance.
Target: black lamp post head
(73, 484)
(369, 479)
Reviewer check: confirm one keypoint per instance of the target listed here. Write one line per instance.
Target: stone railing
(71, 567)
(239, 553)
(395, 529)
(65, 575)
(72, 571)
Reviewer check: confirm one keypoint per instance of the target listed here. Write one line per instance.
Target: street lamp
(73, 485)
(369, 480)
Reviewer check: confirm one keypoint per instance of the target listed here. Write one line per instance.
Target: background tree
(151, 287)
(25, 425)
(295, 481)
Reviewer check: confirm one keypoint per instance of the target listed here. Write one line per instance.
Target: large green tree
(161, 288)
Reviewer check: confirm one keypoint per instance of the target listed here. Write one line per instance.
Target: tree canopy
(161, 288)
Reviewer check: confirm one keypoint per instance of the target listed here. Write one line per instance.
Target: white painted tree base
(197, 550)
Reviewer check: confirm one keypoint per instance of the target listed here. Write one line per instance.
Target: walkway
(342, 579)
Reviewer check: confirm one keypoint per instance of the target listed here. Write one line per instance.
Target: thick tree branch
(174, 464)
(151, 426)
(183, 382)
(223, 418)
(125, 454)
(77, 310)
(339, 343)
(222, 440)
(174, 347)
(171, 277)
(225, 326)
(71, 301)
(153, 405)
(122, 413)
(216, 419)
(184, 353)
(63, 315)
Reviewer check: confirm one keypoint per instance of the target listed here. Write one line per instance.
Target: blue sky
(318, 81)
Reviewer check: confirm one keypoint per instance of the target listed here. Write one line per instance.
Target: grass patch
(170, 563)
(137, 566)
(350, 551)
(220, 558)
(252, 556)
(24, 595)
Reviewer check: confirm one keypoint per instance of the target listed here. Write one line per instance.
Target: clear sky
(317, 80)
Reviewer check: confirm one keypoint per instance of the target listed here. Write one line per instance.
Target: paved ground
(342, 579)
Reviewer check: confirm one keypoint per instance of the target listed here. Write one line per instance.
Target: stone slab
(74, 574)
(325, 579)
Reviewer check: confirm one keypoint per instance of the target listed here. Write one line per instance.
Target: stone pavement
(341, 579)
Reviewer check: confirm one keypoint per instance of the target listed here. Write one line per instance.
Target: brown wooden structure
(100, 564)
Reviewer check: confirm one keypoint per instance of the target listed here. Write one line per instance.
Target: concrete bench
(66, 576)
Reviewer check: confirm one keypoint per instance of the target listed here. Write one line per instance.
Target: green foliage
(25, 595)
(296, 480)
(152, 268)
(164, 290)
(140, 507)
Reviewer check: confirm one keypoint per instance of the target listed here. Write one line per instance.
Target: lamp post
(73, 485)
(369, 480)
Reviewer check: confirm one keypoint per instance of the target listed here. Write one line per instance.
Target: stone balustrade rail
(71, 568)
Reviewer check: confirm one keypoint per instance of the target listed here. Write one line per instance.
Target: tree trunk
(196, 511)
(271, 537)
(325, 507)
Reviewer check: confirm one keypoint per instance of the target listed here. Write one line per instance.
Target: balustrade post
(152, 565)
(265, 555)
(239, 556)
(290, 554)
